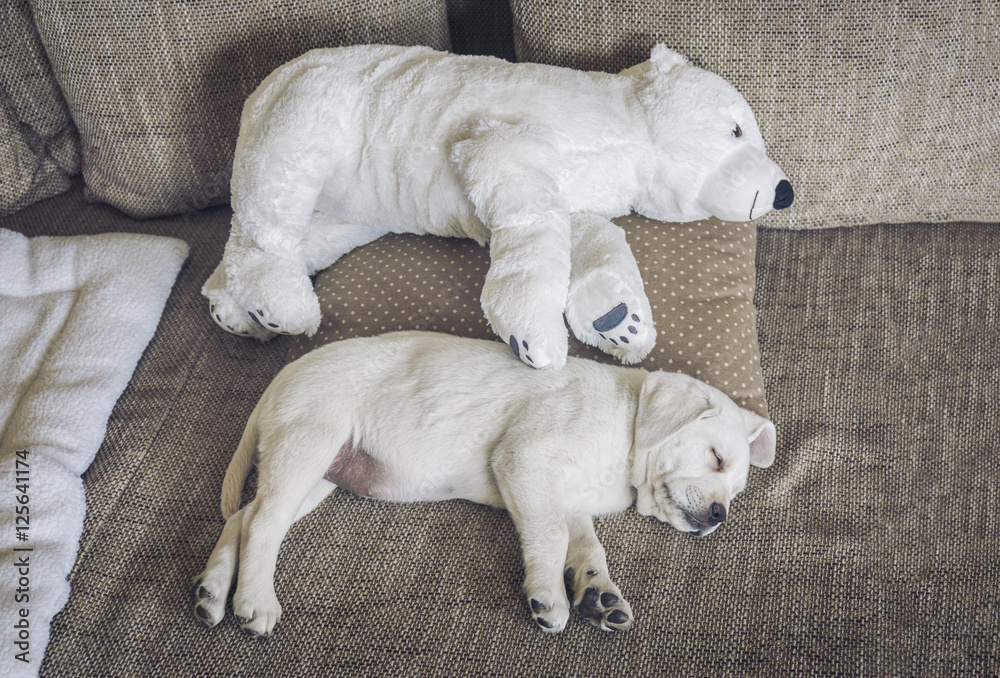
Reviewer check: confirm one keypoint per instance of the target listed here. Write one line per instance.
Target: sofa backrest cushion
(878, 112)
(156, 88)
(39, 148)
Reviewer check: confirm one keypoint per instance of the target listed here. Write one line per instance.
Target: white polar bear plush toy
(344, 145)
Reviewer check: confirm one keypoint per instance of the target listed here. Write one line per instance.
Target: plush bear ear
(664, 58)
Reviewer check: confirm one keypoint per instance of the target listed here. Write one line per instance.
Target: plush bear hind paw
(226, 313)
(267, 296)
(624, 334)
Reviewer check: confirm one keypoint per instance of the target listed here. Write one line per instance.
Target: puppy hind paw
(550, 618)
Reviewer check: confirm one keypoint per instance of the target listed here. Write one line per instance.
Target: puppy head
(693, 450)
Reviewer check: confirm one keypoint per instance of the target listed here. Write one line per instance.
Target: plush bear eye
(738, 132)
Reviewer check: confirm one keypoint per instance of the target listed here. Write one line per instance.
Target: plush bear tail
(239, 467)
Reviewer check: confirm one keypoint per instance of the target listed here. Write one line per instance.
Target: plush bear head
(707, 156)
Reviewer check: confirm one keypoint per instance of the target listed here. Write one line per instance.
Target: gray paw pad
(516, 348)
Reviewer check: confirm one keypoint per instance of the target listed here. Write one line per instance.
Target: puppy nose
(783, 195)
(718, 513)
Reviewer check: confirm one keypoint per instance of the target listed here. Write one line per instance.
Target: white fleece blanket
(76, 314)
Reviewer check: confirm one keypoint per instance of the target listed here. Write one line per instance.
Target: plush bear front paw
(533, 329)
(225, 312)
(275, 294)
(604, 312)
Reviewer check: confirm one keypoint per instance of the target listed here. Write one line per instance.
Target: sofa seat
(869, 547)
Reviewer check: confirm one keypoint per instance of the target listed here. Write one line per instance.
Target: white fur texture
(440, 417)
(342, 146)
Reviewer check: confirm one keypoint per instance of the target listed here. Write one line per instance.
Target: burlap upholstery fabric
(39, 148)
(699, 279)
(156, 88)
(878, 111)
(868, 549)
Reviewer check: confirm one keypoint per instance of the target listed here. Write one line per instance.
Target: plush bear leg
(524, 293)
(267, 294)
(506, 169)
(606, 306)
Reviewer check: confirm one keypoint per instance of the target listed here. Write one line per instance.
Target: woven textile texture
(156, 88)
(868, 549)
(39, 148)
(699, 279)
(879, 112)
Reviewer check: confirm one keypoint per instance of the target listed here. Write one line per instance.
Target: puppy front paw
(209, 600)
(257, 614)
(551, 617)
(597, 598)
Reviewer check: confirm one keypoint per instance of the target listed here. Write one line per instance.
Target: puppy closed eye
(719, 464)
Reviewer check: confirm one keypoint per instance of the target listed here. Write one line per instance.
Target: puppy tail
(239, 467)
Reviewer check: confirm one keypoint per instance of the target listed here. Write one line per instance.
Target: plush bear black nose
(718, 513)
(783, 195)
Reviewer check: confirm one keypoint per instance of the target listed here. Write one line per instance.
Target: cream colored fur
(342, 146)
(441, 417)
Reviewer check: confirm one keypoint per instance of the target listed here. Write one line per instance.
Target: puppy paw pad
(618, 617)
(604, 608)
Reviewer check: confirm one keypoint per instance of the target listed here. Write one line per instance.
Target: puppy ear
(668, 403)
(664, 59)
(762, 438)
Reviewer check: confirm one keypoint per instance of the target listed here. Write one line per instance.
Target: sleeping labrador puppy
(416, 416)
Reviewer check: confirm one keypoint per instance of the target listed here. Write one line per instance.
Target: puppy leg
(541, 526)
(289, 486)
(606, 305)
(588, 584)
(211, 587)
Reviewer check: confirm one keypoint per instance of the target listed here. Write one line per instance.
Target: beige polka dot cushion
(699, 278)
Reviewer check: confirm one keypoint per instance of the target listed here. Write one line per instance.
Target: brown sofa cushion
(699, 279)
(878, 112)
(156, 88)
(39, 148)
